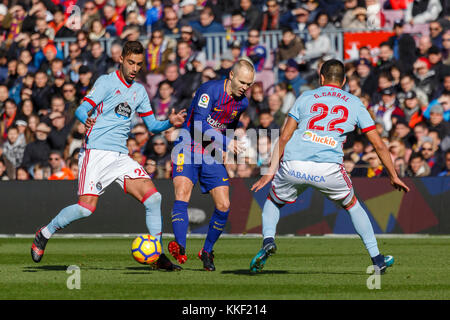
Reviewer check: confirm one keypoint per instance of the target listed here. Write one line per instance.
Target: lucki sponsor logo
(327, 141)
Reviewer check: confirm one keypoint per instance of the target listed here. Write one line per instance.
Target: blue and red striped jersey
(213, 108)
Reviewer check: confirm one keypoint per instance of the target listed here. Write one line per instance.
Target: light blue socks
(364, 228)
(270, 218)
(66, 216)
(153, 217)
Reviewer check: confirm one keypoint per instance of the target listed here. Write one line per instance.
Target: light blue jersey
(114, 103)
(325, 116)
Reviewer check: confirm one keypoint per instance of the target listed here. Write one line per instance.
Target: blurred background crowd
(52, 51)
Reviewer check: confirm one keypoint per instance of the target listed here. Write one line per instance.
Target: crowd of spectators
(405, 85)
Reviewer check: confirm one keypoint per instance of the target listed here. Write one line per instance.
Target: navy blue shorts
(210, 175)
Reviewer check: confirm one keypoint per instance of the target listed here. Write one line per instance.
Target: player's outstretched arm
(157, 126)
(383, 153)
(286, 133)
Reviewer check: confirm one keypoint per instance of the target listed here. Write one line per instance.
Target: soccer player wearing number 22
(309, 153)
(107, 111)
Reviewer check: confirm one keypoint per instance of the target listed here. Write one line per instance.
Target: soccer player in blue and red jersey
(309, 153)
(216, 107)
(107, 111)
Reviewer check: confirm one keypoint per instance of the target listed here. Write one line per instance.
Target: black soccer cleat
(177, 251)
(207, 259)
(163, 263)
(38, 246)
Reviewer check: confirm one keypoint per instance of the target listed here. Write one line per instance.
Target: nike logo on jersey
(225, 179)
(218, 110)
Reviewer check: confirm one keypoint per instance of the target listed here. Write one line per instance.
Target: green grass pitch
(302, 268)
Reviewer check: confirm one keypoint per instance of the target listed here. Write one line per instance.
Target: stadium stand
(59, 48)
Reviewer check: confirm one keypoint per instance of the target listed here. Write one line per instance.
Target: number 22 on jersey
(323, 110)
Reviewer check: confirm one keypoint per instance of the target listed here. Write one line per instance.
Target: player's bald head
(333, 71)
(242, 77)
(243, 64)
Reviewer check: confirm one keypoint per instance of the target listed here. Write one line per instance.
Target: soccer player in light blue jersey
(309, 153)
(107, 111)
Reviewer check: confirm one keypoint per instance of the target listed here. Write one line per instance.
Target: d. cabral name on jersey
(311, 136)
(331, 94)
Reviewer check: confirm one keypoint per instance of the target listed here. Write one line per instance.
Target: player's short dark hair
(132, 47)
(333, 71)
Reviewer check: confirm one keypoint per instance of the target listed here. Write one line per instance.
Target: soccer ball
(146, 249)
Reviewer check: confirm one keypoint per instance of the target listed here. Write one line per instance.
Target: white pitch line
(237, 236)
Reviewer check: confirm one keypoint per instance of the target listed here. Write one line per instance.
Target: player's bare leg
(180, 219)
(84, 208)
(145, 192)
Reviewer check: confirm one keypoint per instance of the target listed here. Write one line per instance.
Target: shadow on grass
(45, 268)
(146, 269)
(247, 272)
(62, 268)
(141, 268)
